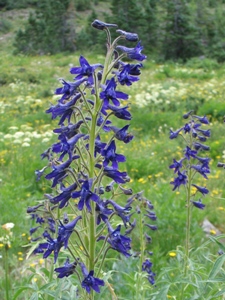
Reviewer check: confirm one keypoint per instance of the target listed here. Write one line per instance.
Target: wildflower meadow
(112, 175)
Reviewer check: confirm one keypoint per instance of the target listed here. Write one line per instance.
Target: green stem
(188, 223)
(139, 291)
(6, 273)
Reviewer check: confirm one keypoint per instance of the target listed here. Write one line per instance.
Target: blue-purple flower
(122, 134)
(67, 270)
(133, 53)
(109, 93)
(85, 70)
(86, 195)
(117, 241)
(179, 180)
(90, 282)
(110, 155)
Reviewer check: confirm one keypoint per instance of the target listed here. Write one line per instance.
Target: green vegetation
(166, 91)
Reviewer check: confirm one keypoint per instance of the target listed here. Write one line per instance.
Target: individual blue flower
(59, 172)
(65, 196)
(102, 25)
(179, 180)
(109, 93)
(119, 112)
(206, 133)
(152, 227)
(110, 155)
(69, 89)
(122, 134)
(147, 266)
(204, 161)
(64, 110)
(32, 209)
(202, 138)
(117, 241)
(199, 146)
(133, 53)
(67, 270)
(66, 146)
(174, 134)
(101, 121)
(177, 165)
(86, 195)
(54, 245)
(117, 176)
(90, 282)
(122, 212)
(134, 68)
(201, 170)
(85, 70)
(102, 211)
(65, 231)
(41, 248)
(124, 76)
(198, 204)
(203, 120)
(68, 131)
(131, 37)
(201, 189)
(190, 153)
(187, 128)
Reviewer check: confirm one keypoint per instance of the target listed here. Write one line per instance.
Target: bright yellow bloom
(172, 254)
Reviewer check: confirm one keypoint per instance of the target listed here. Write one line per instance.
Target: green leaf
(20, 290)
(217, 266)
(222, 246)
(220, 293)
(34, 296)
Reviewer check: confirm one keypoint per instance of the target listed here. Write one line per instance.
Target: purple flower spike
(86, 195)
(67, 270)
(90, 282)
(85, 70)
(133, 53)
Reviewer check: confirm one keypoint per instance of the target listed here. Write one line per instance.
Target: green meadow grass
(165, 92)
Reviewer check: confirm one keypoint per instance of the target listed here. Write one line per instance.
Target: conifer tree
(181, 36)
(49, 30)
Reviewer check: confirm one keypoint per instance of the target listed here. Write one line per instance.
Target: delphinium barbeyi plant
(90, 211)
(190, 172)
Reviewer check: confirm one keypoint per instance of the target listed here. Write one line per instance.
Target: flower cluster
(192, 163)
(85, 173)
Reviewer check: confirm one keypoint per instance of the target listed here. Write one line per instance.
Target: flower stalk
(85, 169)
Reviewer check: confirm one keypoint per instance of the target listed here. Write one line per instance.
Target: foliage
(49, 30)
